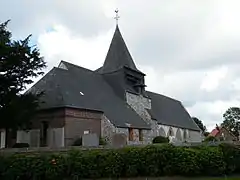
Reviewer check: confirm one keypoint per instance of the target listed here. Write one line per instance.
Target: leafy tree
(19, 63)
(206, 134)
(200, 124)
(231, 120)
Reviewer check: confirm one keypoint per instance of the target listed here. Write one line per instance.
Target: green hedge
(160, 139)
(155, 160)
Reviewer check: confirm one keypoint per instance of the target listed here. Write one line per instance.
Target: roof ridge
(77, 66)
(164, 96)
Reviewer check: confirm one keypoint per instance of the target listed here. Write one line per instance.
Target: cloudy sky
(190, 50)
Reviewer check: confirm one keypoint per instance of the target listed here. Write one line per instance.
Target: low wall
(65, 149)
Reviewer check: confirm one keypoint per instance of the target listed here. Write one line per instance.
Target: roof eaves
(69, 106)
(177, 126)
(134, 70)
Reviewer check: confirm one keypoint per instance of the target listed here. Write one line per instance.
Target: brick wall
(140, 104)
(77, 121)
(55, 118)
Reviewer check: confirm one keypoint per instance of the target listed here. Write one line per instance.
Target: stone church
(109, 101)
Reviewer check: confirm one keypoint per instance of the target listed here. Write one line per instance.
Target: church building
(109, 101)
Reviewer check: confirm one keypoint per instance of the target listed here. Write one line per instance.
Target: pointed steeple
(118, 55)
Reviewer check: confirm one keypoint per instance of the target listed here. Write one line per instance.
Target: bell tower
(119, 68)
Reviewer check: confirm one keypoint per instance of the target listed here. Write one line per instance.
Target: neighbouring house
(222, 134)
(109, 101)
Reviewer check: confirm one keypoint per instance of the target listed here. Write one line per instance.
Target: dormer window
(62, 66)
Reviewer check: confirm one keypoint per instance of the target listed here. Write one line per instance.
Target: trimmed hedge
(160, 139)
(154, 160)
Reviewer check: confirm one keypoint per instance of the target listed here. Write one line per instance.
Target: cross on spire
(117, 16)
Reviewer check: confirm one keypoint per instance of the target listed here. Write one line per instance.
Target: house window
(140, 135)
(130, 134)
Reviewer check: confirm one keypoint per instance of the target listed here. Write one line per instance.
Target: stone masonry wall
(108, 130)
(140, 104)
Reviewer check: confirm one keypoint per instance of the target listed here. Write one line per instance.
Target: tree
(231, 120)
(200, 124)
(19, 63)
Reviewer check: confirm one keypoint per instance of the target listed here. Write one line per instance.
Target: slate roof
(63, 88)
(118, 55)
(168, 111)
(74, 86)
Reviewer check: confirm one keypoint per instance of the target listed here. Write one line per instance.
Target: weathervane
(117, 16)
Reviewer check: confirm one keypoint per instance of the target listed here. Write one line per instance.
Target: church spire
(117, 16)
(118, 55)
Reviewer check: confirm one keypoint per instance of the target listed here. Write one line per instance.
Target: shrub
(164, 160)
(231, 155)
(160, 139)
(20, 145)
(221, 138)
(102, 141)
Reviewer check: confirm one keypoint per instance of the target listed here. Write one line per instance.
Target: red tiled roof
(214, 132)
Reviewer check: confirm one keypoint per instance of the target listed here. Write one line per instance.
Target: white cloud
(213, 78)
(60, 44)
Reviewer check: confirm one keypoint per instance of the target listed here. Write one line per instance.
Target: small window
(140, 135)
(86, 132)
(130, 134)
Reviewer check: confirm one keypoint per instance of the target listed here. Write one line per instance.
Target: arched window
(170, 132)
(162, 132)
(179, 135)
(184, 134)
